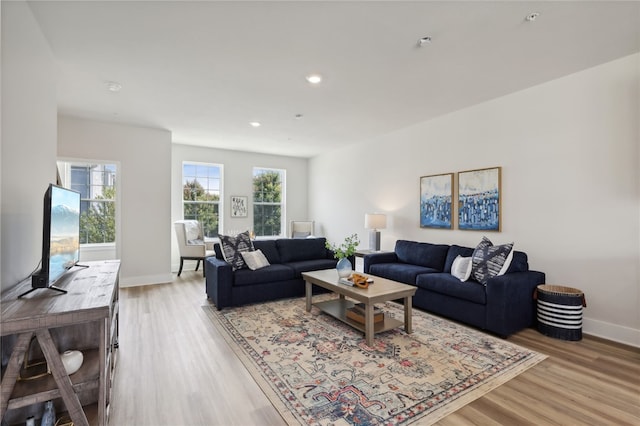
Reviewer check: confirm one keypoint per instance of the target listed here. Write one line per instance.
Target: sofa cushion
(269, 249)
(271, 273)
(311, 265)
(489, 259)
(519, 263)
(232, 246)
(401, 272)
(449, 285)
(294, 250)
(455, 251)
(218, 251)
(422, 254)
(255, 259)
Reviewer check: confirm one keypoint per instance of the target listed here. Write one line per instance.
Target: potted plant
(342, 252)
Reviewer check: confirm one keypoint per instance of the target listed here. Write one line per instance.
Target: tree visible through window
(201, 185)
(96, 184)
(268, 199)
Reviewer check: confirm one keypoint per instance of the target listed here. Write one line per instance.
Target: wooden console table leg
(104, 371)
(13, 369)
(61, 377)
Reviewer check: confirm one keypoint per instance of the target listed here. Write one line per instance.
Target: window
(268, 202)
(96, 184)
(201, 185)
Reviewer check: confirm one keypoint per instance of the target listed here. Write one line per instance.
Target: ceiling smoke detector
(424, 40)
(532, 17)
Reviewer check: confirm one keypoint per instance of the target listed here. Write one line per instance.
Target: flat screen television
(60, 237)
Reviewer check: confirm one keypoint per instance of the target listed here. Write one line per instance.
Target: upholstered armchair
(302, 229)
(191, 243)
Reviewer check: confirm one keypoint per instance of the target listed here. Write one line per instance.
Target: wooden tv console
(85, 319)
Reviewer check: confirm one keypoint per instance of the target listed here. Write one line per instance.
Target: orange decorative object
(359, 280)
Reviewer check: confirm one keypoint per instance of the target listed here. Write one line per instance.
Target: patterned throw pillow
(232, 247)
(487, 260)
(255, 259)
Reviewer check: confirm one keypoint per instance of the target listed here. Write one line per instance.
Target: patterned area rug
(318, 371)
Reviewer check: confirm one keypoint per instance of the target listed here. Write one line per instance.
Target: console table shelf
(85, 318)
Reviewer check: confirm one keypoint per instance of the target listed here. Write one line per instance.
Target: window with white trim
(268, 201)
(201, 194)
(96, 184)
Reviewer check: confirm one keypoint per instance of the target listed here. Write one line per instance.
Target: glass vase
(344, 267)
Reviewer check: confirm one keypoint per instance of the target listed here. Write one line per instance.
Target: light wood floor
(175, 369)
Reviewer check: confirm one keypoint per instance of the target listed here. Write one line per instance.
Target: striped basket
(560, 311)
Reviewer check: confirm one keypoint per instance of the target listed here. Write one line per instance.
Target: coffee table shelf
(337, 308)
(382, 290)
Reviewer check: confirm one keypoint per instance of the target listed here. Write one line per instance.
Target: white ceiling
(204, 70)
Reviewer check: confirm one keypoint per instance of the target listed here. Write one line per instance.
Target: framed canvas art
(436, 197)
(479, 199)
(239, 206)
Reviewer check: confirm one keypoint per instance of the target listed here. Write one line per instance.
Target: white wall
(238, 180)
(28, 157)
(144, 160)
(571, 197)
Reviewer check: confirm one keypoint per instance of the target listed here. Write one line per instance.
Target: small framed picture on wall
(239, 206)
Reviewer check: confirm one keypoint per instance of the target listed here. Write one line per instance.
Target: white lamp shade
(375, 221)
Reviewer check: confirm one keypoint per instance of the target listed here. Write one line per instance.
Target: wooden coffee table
(382, 290)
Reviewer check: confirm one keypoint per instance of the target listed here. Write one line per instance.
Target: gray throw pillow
(255, 259)
(487, 260)
(232, 247)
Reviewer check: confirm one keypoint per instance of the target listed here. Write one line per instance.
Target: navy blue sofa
(504, 306)
(288, 259)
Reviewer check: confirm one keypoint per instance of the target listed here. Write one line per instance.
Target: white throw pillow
(507, 263)
(255, 259)
(192, 230)
(461, 268)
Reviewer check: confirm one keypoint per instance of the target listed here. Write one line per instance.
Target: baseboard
(617, 333)
(145, 280)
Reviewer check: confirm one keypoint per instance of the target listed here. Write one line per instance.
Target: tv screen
(61, 247)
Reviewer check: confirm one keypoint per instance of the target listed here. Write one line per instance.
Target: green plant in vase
(342, 252)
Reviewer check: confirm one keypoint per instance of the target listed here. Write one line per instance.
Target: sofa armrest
(373, 258)
(510, 304)
(219, 281)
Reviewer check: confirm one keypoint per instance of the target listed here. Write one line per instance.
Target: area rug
(317, 370)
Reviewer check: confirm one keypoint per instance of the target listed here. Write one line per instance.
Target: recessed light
(298, 116)
(113, 86)
(314, 78)
(254, 124)
(532, 16)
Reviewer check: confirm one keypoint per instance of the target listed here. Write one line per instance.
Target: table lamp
(375, 221)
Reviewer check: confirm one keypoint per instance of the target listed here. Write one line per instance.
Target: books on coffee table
(357, 313)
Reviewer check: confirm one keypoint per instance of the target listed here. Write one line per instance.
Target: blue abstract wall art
(479, 199)
(436, 195)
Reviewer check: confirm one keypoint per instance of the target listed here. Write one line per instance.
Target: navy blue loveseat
(288, 259)
(504, 306)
